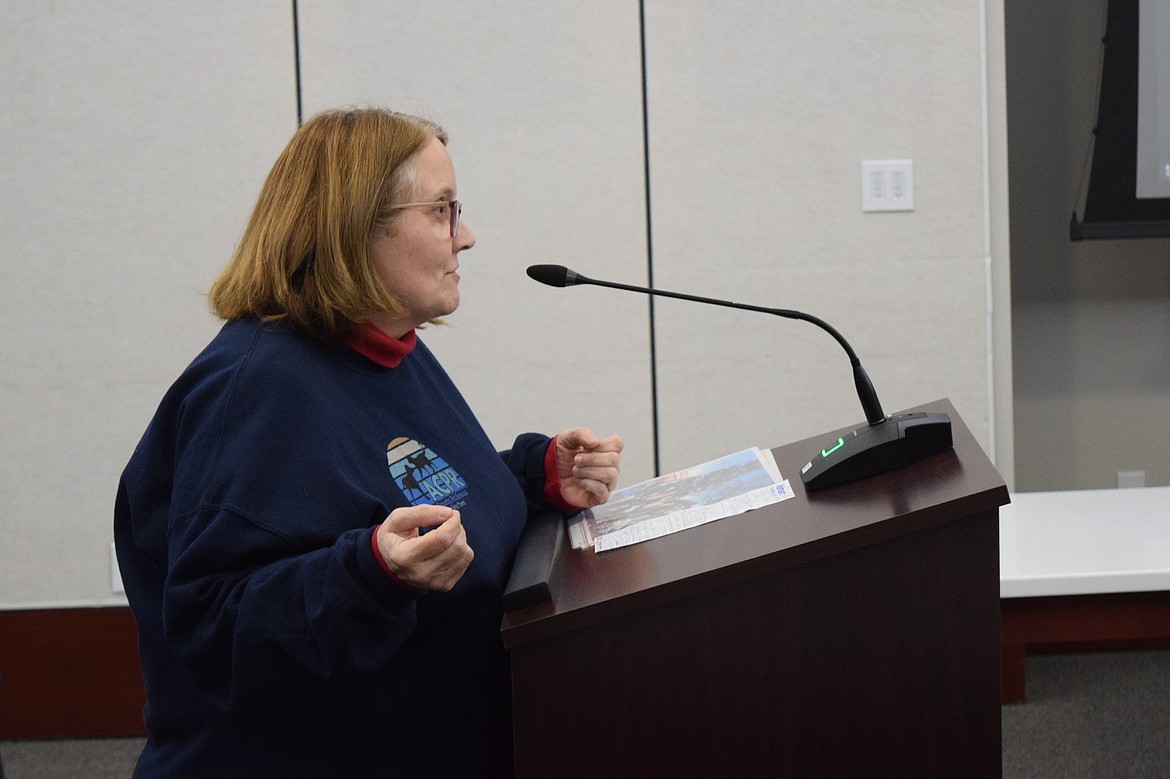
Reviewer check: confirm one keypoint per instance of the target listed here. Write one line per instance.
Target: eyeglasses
(454, 209)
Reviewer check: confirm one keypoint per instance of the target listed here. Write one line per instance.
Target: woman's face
(416, 257)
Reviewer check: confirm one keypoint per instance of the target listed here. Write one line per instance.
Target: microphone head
(552, 275)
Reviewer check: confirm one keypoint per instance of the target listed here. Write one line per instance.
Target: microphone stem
(865, 391)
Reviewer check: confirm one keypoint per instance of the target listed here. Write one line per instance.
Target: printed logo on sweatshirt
(423, 476)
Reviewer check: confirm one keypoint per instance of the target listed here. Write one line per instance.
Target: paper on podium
(729, 485)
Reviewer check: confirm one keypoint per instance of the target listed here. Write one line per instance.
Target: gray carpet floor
(99, 758)
(1091, 715)
(1097, 716)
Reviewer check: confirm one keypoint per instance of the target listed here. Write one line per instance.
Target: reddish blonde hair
(305, 254)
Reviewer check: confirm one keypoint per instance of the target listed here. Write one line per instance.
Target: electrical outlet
(1126, 479)
(887, 185)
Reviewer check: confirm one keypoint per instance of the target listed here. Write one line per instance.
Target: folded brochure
(721, 488)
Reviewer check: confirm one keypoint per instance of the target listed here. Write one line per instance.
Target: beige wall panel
(760, 115)
(1091, 320)
(136, 135)
(543, 104)
(1093, 398)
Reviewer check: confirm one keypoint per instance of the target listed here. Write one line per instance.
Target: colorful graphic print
(423, 476)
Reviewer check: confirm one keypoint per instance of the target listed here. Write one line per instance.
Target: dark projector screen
(1129, 181)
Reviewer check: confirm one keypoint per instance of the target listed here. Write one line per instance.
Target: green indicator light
(833, 448)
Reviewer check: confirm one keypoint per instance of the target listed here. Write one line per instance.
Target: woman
(314, 531)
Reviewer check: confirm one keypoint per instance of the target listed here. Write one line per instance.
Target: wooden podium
(848, 632)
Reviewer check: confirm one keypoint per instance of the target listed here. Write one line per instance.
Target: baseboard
(70, 673)
(74, 673)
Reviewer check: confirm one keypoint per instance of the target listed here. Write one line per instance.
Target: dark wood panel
(70, 673)
(1078, 623)
(853, 631)
(877, 662)
(1086, 618)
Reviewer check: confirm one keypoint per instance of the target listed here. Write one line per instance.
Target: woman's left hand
(588, 466)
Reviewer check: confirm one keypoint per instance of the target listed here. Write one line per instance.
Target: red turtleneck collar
(372, 343)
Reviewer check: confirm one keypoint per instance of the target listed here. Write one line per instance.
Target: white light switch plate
(887, 185)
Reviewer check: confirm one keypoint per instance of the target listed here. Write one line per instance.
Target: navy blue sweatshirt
(272, 641)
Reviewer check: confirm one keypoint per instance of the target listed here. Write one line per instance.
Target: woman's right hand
(434, 560)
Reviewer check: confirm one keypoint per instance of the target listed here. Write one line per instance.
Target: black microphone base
(886, 446)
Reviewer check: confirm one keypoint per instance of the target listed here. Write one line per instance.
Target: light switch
(887, 185)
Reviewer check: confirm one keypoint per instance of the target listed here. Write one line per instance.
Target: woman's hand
(588, 466)
(434, 560)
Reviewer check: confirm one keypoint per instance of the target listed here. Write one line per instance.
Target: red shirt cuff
(386, 568)
(552, 481)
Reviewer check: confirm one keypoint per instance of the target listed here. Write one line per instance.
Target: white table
(1082, 569)
(1085, 542)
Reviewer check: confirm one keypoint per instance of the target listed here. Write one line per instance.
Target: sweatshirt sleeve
(259, 529)
(257, 619)
(528, 460)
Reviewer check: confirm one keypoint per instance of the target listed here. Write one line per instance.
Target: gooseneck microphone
(885, 444)
(560, 276)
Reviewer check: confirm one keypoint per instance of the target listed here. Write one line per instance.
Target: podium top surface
(588, 587)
